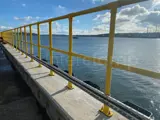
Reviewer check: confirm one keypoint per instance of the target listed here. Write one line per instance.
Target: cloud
(155, 3)
(58, 26)
(77, 21)
(59, 10)
(104, 18)
(130, 27)
(24, 5)
(37, 17)
(27, 18)
(94, 1)
(152, 18)
(135, 10)
(131, 19)
(16, 18)
(61, 7)
(102, 28)
(2, 28)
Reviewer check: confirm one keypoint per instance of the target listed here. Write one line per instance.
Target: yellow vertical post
(9, 37)
(50, 47)
(70, 86)
(25, 40)
(19, 42)
(105, 109)
(21, 39)
(1, 34)
(39, 43)
(31, 44)
(17, 39)
(13, 38)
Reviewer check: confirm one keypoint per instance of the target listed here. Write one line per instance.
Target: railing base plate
(105, 111)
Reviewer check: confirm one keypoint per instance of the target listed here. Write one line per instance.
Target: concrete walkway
(16, 99)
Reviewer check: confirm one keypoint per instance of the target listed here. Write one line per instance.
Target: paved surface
(23, 109)
(74, 103)
(16, 100)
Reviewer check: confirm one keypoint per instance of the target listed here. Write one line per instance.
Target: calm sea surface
(126, 86)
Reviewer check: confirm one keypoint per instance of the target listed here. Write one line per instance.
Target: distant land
(134, 35)
(127, 35)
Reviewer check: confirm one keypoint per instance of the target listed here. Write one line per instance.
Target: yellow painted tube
(50, 47)
(70, 86)
(17, 39)
(31, 46)
(39, 43)
(25, 39)
(105, 109)
(21, 40)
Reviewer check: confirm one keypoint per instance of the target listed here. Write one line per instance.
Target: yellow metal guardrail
(15, 36)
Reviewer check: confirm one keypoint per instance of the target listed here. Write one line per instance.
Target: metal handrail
(108, 100)
(17, 38)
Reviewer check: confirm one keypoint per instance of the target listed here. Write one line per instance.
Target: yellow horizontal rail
(140, 71)
(34, 44)
(100, 61)
(60, 51)
(42, 46)
(28, 42)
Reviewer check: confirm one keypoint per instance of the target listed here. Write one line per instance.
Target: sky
(130, 19)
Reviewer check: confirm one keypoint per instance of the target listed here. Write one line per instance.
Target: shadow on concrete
(42, 77)
(15, 54)
(41, 73)
(26, 62)
(101, 116)
(33, 68)
(60, 91)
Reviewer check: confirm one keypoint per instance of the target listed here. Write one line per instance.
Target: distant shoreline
(124, 35)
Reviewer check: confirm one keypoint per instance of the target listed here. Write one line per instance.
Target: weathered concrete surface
(23, 109)
(51, 92)
(16, 100)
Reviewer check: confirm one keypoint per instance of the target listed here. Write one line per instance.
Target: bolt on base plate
(106, 111)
